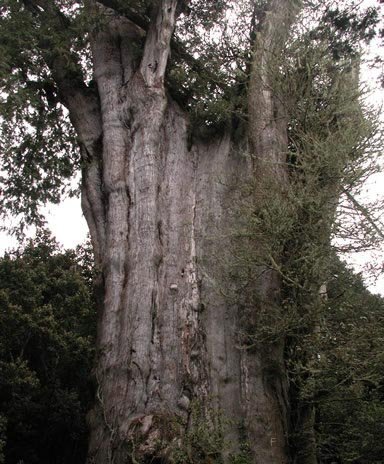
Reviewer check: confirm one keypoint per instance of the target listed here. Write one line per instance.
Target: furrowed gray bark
(157, 209)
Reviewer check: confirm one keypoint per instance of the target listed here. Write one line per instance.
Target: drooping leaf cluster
(47, 326)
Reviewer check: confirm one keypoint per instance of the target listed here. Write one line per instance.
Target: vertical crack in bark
(154, 315)
(192, 337)
(93, 202)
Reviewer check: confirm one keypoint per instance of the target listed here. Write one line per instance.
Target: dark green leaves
(350, 372)
(47, 323)
(346, 28)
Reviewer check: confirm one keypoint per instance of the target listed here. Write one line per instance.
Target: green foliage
(211, 83)
(286, 228)
(282, 253)
(202, 441)
(208, 75)
(349, 371)
(47, 325)
(244, 456)
(38, 152)
(345, 27)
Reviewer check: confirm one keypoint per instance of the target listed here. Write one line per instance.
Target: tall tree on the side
(171, 126)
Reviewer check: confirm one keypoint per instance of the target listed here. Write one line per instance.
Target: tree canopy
(208, 75)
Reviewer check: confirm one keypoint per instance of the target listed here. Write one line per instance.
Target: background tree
(168, 123)
(46, 350)
(349, 372)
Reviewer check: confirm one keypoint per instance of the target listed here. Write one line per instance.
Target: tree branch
(157, 44)
(364, 211)
(178, 50)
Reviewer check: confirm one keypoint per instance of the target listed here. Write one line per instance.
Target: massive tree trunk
(172, 369)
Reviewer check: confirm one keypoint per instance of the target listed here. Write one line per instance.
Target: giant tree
(183, 110)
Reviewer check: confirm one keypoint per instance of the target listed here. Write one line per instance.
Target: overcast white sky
(66, 222)
(69, 227)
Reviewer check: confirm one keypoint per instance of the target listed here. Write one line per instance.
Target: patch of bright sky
(65, 221)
